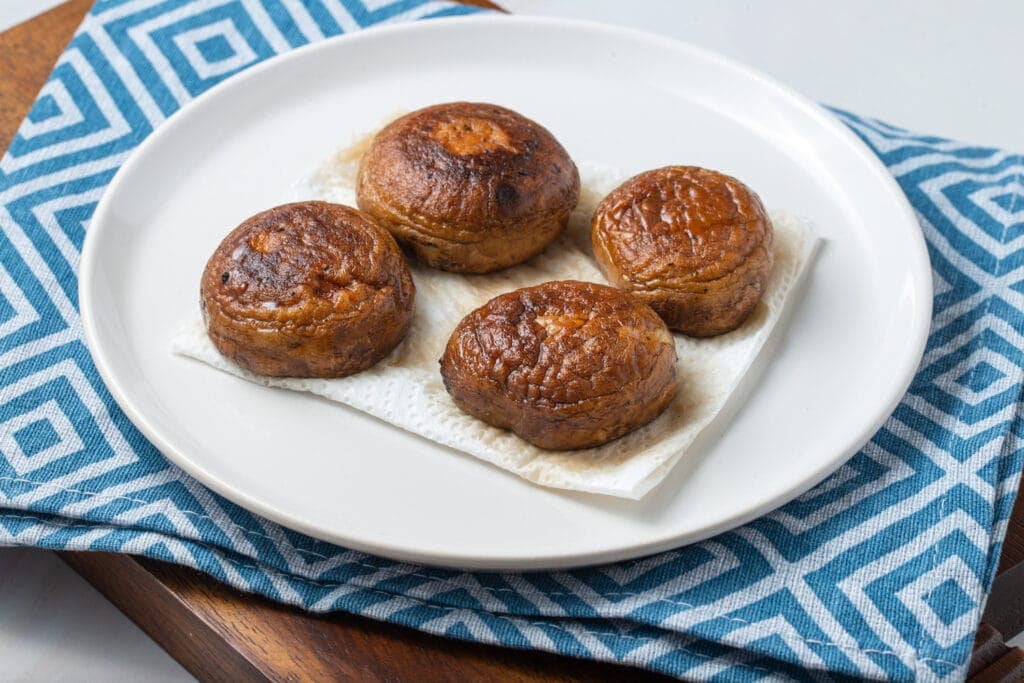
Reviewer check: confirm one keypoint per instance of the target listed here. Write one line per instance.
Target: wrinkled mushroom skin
(694, 244)
(309, 289)
(564, 365)
(469, 187)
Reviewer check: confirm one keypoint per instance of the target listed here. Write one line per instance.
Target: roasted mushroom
(309, 289)
(564, 364)
(694, 244)
(471, 188)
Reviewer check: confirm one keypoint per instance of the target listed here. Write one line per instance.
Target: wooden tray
(218, 633)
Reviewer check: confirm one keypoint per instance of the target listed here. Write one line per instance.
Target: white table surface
(950, 68)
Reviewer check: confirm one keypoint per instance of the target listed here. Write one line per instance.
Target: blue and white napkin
(880, 572)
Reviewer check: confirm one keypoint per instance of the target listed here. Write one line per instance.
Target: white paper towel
(406, 390)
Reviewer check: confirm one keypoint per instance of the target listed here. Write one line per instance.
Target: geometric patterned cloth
(880, 572)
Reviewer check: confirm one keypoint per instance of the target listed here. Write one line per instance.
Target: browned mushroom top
(460, 171)
(562, 343)
(299, 265)
(679, 225)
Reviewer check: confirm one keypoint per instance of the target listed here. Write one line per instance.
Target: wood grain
(218, 633)
(993, 661)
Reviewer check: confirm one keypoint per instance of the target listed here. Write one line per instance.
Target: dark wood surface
(221, 634)
(993, 661)
(218, 633)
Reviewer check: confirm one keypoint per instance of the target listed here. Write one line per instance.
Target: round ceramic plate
(631, 100)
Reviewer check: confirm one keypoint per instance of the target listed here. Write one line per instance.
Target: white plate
(628, 99)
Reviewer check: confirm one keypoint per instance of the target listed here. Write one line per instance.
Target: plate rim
(919, 271)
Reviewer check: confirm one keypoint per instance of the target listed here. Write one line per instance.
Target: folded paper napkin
(879, 572)
(405, 389)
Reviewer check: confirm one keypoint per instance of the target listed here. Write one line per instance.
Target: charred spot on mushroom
(506, 195)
